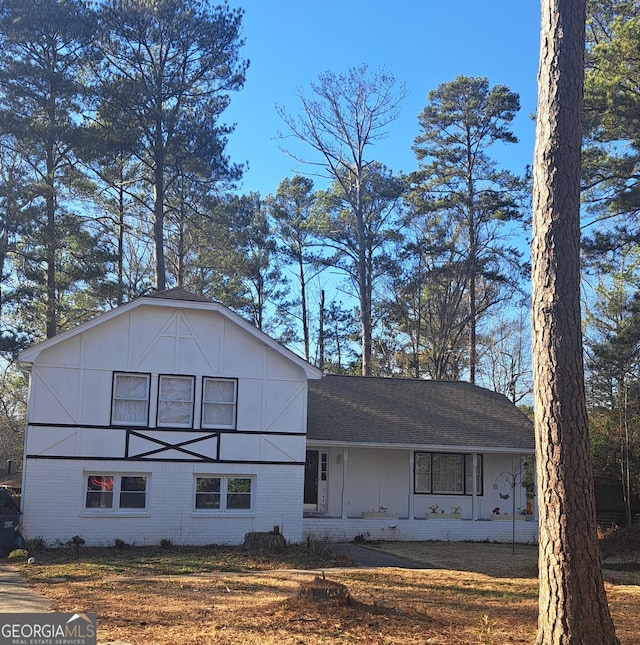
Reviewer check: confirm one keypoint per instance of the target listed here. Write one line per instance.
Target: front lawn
(475, 593)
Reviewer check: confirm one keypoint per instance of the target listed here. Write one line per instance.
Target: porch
(417, 494)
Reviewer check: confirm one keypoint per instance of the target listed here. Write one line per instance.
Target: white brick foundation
(405, 530)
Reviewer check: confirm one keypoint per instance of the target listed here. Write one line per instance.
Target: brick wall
(345, 530)
(54, 504)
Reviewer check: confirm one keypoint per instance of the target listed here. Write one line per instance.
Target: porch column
(474, 496)
(345, 459)
(410, 500)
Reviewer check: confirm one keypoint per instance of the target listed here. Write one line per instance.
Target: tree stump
(321, 589)
(265, 543)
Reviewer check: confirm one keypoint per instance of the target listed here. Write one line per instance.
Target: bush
(36, 544)
(76, 541)
(623, 543)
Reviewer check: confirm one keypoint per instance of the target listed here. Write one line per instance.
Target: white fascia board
(420, 447)
(29, 355)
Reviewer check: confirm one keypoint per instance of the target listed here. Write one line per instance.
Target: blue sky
(422, 42)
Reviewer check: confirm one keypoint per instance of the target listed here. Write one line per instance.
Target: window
(223, 493)
(422, 467)
(239, 494)
(218, 403)
(133, 492)
(447, 473)
(99, 491)
(450, 474)
(116, 491)
(175, 401)
(130, 403)
(208, 493)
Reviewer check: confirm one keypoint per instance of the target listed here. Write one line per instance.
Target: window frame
(116, 492)
(147, 400)
(192, 401)
(426, 469)
(203, 402)
(223, 493)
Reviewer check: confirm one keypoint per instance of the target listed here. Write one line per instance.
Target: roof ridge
(178, 293)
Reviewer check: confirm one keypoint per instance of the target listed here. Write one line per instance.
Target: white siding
(71, 382)
(69, 418)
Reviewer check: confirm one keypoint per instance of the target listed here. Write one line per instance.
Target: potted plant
(437, 513)
(496, 514)
(381, 513)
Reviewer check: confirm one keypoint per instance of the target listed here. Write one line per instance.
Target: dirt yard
(473, 593)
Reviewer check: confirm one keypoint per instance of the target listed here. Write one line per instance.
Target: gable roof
(169, 298)
(439, 415)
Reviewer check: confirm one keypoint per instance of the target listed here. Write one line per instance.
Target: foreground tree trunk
(573, 606)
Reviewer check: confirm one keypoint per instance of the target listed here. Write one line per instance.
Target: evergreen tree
(573, 606)
(459, 179)
(424, 302)
(45, 50)
(294, 228)
(168, 67)
(611, 158)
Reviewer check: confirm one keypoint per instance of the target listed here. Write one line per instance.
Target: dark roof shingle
(178, 294)
(387, 411)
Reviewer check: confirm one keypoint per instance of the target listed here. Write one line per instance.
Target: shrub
(76, 541)
(36, 544)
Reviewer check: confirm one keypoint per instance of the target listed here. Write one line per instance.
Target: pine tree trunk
(573, 606)
(51, 244)
(158, 211)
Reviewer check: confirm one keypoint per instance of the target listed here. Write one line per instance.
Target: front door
(315, 481)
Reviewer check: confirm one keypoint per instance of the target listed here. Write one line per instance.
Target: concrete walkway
(365, 556)
(15, 594)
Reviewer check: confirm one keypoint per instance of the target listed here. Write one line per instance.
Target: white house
(167, 418)
(409, 459)
(172, 418)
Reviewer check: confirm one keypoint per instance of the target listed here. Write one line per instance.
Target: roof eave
(422, 447)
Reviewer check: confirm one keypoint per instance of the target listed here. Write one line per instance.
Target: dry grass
(445, 604)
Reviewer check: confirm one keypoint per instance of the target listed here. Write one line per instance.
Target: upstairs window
(219, 403)
(130, 402)
(175, 401)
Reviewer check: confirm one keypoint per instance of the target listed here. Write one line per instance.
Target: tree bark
(51, 243)
(572, 602)
(158, 211)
